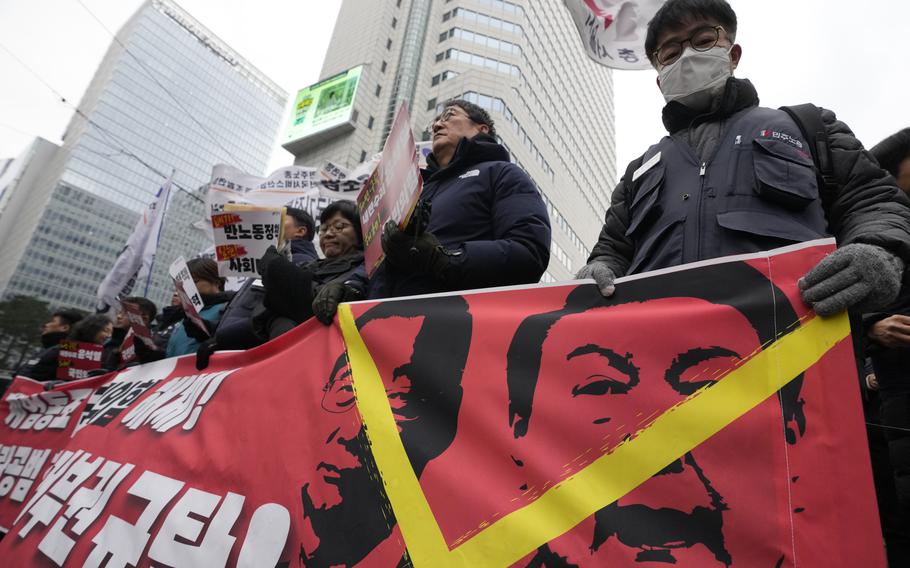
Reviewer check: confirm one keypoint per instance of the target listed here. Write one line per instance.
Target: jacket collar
(738, 94)
(52, 338)
(470, 151)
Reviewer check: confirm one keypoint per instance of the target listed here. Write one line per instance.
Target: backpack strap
(808, 118)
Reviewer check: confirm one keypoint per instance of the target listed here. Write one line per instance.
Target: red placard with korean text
(392, 190)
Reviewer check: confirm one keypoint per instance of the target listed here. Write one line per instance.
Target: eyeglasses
(446, 116)
(702, 39)
(335, 227)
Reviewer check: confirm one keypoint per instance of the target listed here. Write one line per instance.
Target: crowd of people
(731, 177)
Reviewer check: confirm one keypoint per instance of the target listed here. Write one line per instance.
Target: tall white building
(520, 59)
(168, 95)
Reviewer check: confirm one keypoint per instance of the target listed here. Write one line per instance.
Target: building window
(431, 104)
(363, 156)
(354, 116)
(435, 80)
(398, 4)
(446, 16)
(388, 43)
(443, 36)
(440, 57)
(370, 123)
(378, 89)
(394, 22)
(384, 66)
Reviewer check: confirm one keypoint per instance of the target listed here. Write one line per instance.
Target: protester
(888, 335)
(733, 177)
(187, 335)
(235, 331)
(44, 366)
(480, 221)
(110, 358)
(96, 328)
(164, 323)
(296, 293)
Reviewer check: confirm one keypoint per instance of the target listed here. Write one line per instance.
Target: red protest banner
(507, 427)
(392, 190)
(76, 359)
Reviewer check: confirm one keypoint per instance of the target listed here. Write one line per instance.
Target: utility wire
(111, 138)
(157, 82)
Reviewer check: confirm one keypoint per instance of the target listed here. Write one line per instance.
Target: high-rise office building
(168, 96)
(522, 60)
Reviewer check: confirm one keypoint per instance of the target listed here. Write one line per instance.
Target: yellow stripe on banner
(576, 498)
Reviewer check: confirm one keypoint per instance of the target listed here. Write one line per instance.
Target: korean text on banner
(524, 426)
(613, 33)
(190, 299)
(392, 191)
(242, 235)
(76, 359)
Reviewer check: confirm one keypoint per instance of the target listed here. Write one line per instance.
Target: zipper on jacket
(701, 196)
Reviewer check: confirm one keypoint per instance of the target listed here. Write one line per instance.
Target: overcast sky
(847, 56)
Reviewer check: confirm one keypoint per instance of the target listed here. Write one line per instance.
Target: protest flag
(136, 259)
(613, 33)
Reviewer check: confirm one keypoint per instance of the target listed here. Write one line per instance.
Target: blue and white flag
(134, 264)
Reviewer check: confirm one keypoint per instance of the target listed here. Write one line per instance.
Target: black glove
(288, 287)
(422, 253)
(329, 296)
(192, 330)
(204, 352)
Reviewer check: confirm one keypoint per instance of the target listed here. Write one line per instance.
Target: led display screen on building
(324, 105)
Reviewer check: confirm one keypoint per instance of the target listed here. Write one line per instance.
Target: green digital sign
(323, 106)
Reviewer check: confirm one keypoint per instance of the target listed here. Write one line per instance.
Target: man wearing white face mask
(733, 177)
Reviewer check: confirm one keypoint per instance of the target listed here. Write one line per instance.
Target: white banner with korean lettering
(242, 235)
(613, 32)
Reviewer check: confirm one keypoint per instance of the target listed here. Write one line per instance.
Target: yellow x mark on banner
(605, 480)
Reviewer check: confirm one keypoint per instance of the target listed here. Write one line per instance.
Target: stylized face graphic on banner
(606, 382)
(346, 506)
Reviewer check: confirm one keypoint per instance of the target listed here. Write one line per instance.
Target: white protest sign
(242, 235)
(189, 296)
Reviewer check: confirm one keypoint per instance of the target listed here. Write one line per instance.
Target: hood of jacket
(470, 151)
(738, 94)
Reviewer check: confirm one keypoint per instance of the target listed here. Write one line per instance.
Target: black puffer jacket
(869, 207)
(488, 212)
(43, 367)
(290, 289)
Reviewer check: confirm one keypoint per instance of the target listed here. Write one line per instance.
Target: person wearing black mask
(44, 366)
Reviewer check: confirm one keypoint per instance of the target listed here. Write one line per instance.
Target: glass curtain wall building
(168, 96)
(520, 59)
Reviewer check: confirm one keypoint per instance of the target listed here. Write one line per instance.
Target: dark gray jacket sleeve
(869, 207)
(613, 246)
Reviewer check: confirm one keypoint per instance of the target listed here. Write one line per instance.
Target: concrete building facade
(168, 96)
(522, 60)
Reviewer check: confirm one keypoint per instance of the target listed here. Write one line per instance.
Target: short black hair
(348, 210)
(893, 150)
(677, 13)
(88, 327)
(146, 306)
(302, 219)
(476, 113)
(68, 315)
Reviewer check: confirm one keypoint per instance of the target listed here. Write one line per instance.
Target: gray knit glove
(601, 272)
(863, 277)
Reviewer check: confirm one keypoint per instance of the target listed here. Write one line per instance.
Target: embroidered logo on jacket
(470, 174)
